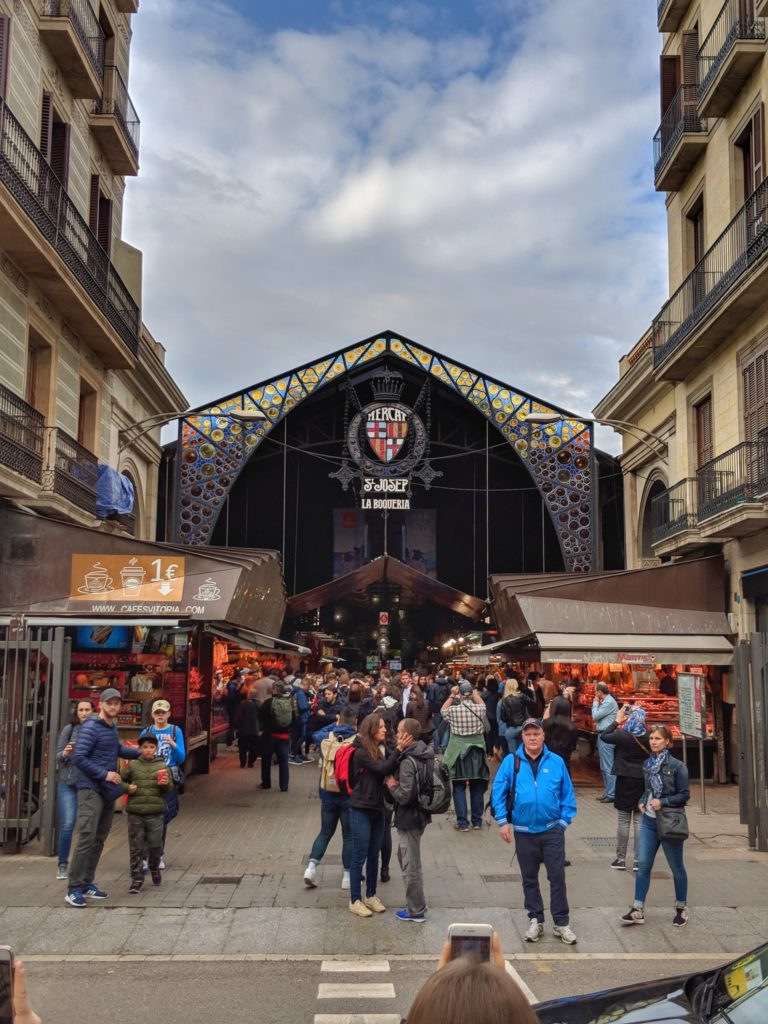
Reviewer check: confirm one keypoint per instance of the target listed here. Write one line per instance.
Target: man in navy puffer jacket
(544, 805)
(98, 786)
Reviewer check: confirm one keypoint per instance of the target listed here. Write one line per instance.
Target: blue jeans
(606, 754)
(442, 732)
(648, 847)
(512, 734)
(67, 803)
(367, 828)
(476, 799)
(331, 814)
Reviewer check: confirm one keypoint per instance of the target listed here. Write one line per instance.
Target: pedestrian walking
(419, 708)
(233, 695)
(372, 762)
(147, 781)
(66, 790)
(334, 805)
(412, 776)
(491, 698)
(629, 739)
(172, 749)
(438, 694)
(516, 705)
(247, 728)
(98, 786)
(533, 796)
(560, 734)
(666, 785)
(604, 711)
(276, 716)
(465, 713)
(301, 720)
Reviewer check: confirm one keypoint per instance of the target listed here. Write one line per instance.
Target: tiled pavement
(236, 855)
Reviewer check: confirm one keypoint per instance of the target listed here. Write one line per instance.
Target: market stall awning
(252, 640)
(416, 588)
(627, 649)
(51, 568)
(669, 614)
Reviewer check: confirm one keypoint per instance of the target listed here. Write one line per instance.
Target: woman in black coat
(560, 734)
(629, 738)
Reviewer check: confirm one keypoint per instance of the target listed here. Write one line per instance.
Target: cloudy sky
(473, 174)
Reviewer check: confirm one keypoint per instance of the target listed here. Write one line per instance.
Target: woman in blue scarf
(666, 785)
(628, 736)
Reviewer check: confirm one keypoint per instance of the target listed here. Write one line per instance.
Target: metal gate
(34, 665)
(751, 670)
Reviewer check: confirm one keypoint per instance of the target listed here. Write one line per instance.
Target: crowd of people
(389, 748)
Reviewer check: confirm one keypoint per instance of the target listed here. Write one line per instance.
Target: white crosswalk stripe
(357, 1018)
(354, 966)
(355, 990)
(361, 991)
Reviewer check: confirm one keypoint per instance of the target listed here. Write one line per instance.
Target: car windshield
(742, 996)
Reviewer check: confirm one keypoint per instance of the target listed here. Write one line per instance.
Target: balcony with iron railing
(116, 125)
(674, 520)
(22, 436)
(48, 239)
(727, 57)
(670, 14)
(680, 140)
(725, 286)
(71, 471)
(71, 31)
(733, 491)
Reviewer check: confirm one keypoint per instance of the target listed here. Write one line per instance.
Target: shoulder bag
(672, 824)
(480, 718)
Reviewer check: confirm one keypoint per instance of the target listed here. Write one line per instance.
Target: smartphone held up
(470, 940)
(6, 985)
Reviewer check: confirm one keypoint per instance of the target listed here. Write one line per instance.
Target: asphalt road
(294, 991)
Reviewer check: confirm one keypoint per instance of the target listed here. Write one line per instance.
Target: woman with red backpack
(371, 763)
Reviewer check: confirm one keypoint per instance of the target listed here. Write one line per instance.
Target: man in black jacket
(417, 762)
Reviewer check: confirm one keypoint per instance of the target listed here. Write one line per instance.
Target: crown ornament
(387, 385)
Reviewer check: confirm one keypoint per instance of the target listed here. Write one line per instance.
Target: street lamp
(161, 418)
(637, 431)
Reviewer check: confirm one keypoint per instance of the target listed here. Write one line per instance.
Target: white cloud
(493, 201)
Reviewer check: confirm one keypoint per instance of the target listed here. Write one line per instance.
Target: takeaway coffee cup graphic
(132, 576)
(96, 581)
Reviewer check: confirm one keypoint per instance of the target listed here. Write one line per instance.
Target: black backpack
(442, 691)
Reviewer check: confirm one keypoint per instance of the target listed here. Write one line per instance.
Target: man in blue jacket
(98, 786)
(536, 783)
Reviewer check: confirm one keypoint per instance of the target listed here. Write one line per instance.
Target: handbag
(672, 824)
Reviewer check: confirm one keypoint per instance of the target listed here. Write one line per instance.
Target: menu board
(692, 707)
(175, 692)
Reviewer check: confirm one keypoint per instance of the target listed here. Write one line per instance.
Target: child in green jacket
(146, 780)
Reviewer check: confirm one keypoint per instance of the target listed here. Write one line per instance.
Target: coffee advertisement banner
(117, 578)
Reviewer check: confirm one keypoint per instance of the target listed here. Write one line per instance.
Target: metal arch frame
(213, 449)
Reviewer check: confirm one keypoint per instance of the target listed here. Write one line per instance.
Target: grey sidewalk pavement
(236, 855)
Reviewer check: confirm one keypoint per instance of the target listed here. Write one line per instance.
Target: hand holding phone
(470, 940)
(496, 954)
(6, 985)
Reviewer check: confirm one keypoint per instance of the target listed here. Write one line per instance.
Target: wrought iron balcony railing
(733, 478)
(674, 510)
(22, 433)
(731, 25)
(37, 190)
(117, 102)
(680, 116)
(740, 245)
(86, 25)
(72, 471)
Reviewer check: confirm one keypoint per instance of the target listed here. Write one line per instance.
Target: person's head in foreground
(471, 991)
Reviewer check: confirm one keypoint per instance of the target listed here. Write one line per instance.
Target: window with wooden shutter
(670, 80)
(705, 449)
(5, 46)
(93, 205)
(100, 214)
(46, 125)
(60, 151)
(691, 57)
(755, 396)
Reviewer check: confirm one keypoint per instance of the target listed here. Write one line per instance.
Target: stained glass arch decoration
(214, 448)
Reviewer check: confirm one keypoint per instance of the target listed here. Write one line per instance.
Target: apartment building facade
(77, 366)
(698, 379)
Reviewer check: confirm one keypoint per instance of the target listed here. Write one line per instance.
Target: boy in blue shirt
(170, 746)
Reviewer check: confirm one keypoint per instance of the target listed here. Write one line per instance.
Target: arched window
(645, 533)
(131, 522)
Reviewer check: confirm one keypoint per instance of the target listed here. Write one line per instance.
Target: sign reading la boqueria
(389, 445)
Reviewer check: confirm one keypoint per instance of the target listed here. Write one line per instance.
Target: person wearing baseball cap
(466, 714)
(98, 784)
(533, 797)
(170, 746)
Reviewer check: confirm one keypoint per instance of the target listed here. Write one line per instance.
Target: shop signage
(383, 618)
(692, 707)
(387, 443)
(636, 659)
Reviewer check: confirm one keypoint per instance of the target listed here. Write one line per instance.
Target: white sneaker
(535, 931)
(161, 865)
(61, 872)
(345, 880)
(310, 875)
(564, 933)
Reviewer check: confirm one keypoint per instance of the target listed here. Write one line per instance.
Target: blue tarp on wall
(115, 494)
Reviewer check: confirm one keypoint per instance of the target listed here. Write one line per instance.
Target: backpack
(510, 794)
(440, 691)
(329, 748)
(282, 711)
(342, 766)
(434, 792)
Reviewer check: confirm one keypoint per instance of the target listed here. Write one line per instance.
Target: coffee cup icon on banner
(208, 591)
(96, 581)
(132, 576)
